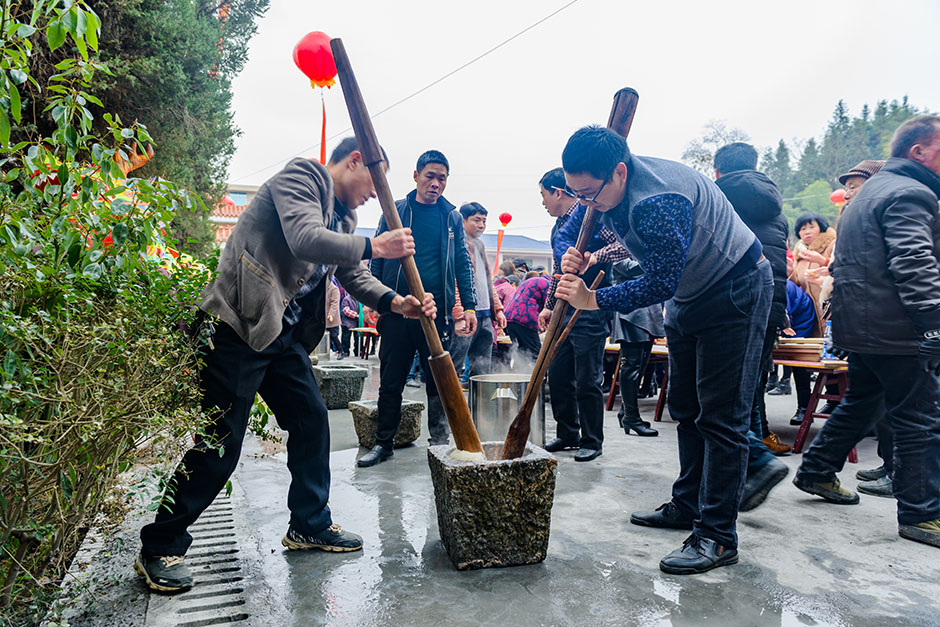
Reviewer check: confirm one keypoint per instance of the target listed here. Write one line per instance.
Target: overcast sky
(773, 70)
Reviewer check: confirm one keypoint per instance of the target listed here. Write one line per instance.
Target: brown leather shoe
(776, 447)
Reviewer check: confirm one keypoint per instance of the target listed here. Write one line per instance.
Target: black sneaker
(165, 573)
(333, 538)
(872, 475)
(557, 444)
(698, 555)
(666, 515)
(757, 488)
(797, 419)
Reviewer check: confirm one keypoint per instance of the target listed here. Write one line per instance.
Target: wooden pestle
(440, 364)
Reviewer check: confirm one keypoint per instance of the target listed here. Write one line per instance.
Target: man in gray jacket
(886, 320)
(268, 302)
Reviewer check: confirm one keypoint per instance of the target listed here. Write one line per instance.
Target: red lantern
(313, 56)
(504, 219)
(838, 197)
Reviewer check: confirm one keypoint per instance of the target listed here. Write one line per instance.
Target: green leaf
(93, 271)
(15, 103)
(19, 76)
(25, 30)
(119, 233)
(55, 34)
(81, 24)
(120, 207)
(127, 133)
(4, 128)
(82, 49)
(9, 363)
(63, 174)
(70, 21)
(91, 35)
(97, 153)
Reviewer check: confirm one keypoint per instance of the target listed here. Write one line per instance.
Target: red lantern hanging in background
(837, 197)
(504, 219)
(313, 56)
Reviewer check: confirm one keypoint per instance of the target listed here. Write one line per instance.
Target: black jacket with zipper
(886, 265)
(455, 257)
(757, 201)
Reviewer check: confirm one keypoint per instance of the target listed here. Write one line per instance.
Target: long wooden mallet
(621, 119)
(442, 368)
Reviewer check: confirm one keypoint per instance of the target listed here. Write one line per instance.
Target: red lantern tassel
(323, 131)
(499, 244)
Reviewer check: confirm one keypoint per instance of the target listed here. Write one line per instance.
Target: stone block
(366, 413)
(494, 513)
(340, 383)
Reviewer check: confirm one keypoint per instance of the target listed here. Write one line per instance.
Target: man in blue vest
(699, 257)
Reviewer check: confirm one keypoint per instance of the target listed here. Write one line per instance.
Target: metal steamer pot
(495, 401)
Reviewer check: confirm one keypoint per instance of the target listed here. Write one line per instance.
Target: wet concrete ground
(803, 561)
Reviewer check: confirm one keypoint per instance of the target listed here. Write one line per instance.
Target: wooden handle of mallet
(621, 117)
(441, 366)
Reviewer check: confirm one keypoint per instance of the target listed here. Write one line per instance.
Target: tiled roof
(512, 242)
(228, 211)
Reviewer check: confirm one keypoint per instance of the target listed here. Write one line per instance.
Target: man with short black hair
(699, 257)
(443, 261)
(576, 374)
(886, 321)
(268, 300)
(489, 310)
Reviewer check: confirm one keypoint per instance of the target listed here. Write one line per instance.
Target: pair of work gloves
(928, 353)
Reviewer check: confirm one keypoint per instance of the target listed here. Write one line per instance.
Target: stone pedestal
(340, 384)
(366, 413)
(494, 513)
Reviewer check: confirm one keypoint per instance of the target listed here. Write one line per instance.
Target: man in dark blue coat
(886, 320)
(443, 261)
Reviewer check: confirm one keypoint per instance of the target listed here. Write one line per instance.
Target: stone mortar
(340, 383)
(494, 513)
(365, 415)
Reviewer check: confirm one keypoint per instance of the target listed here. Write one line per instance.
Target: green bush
(93, 368)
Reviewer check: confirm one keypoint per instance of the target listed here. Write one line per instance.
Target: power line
(415, 93)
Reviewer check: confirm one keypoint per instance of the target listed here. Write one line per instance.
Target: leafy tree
(776, 165)
(170, 66)
(700, 153)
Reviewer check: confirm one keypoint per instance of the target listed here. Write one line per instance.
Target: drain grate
(217, 597)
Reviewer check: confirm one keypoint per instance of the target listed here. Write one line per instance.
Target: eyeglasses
(583, 198)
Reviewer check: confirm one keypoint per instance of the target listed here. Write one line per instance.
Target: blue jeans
(911, 400)
(714, 353)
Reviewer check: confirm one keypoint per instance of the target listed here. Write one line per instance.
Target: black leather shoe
(641, 427)
(377, 455)
(829, 407)
(666, 516)
(587, 454)
(797, 419)
(560, 445)
(757, 488)
(697, 555)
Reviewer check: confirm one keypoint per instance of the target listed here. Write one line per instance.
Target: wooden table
(828, 371)
(359, 333)
(659, 354)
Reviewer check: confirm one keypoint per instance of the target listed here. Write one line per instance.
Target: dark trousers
(634, 356)
(759, 424)
(400, 339)
(231, 375)
(335, 344)
(885, 443)
(477, 349)
(345, 338)
(911, 400)
(525, 339)
(714, 350)
(803, 384)
(574, 381)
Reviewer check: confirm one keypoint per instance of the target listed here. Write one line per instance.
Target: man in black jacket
(756, 199)
(443, 260)
(886, 320)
